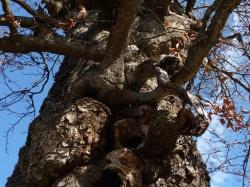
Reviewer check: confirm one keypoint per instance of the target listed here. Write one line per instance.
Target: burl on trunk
(118, 120)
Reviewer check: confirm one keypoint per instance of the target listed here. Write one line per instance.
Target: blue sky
(17, 138)
(218, 179)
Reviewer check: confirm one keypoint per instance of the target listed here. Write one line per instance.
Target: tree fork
(79, 141)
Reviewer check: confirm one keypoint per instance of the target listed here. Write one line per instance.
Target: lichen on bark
(99, 125)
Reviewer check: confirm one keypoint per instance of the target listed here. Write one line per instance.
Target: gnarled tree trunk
(93, 131)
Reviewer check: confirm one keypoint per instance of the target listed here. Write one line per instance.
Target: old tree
(120, 112)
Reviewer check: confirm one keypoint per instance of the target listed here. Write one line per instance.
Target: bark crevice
(117, 118)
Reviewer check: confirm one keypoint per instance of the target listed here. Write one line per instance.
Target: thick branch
(26, 44)
(189, 7)
(9, 17)
(165, 4)
(28, 8)
(24, 22)
(130, 97)
(209, 11)
(238, 37)
(120, 33)
(203, 44)
(111, 74)
(54, 22)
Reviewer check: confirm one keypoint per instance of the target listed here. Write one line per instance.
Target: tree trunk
(84, 139)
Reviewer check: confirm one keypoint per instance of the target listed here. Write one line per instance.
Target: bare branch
(209, 11)
(238, 37)
(245, 163)
(189, 7)
(139, 98)
(204, 43)
(49, 20)
(120, 33)
(165, 4)
(9, 17)
(24, 22)
(28, 8)
(112, 75)
(229, 74)
(26, 44)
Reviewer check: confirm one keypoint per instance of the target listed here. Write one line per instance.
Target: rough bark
(91, 132)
